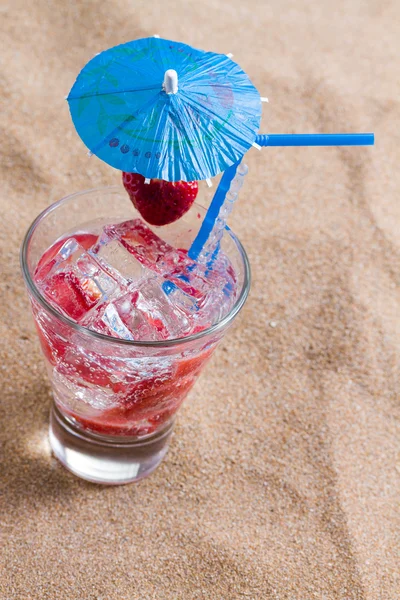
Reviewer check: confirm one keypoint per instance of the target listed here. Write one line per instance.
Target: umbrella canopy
(165, 110)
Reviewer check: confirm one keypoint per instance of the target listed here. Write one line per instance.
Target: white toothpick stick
(170, 85)
(257, 146)
(147, 181)
(156, 35)
(230, 55)
(90, 153)
(264, 99)
(209, 182)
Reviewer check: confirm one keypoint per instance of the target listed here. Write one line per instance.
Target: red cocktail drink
(126, 322)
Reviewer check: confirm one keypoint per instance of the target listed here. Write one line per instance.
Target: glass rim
(32, 288)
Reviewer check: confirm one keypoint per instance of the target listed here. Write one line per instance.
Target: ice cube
(147, 247)
(76, 282)
(113, 321)
(199, 282)
(167, 317)
(132, 318)
(112, 255)
(62, 254)
(126, 321)
(200, 312)
(94, 277)
(178, 297)
(213, 285)
(121, 318)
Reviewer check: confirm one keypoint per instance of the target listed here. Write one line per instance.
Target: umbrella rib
(114, 93)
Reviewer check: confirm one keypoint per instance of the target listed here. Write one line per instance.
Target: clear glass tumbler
(115, 401)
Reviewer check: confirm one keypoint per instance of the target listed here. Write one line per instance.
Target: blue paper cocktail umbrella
(165, 110)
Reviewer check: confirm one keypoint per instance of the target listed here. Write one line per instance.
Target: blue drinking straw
(316, 139)
(275, 139)
(212, 213)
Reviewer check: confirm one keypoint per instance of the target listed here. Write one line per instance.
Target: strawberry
(160, 202)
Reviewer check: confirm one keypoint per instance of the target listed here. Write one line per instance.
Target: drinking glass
(115, 401)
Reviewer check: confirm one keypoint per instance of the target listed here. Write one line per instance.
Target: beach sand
(281, 481)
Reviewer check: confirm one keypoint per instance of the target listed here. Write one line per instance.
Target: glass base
(107, 460)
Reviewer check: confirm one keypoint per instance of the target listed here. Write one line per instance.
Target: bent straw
(275, 139)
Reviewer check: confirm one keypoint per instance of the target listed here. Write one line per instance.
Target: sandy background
(281, 481)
